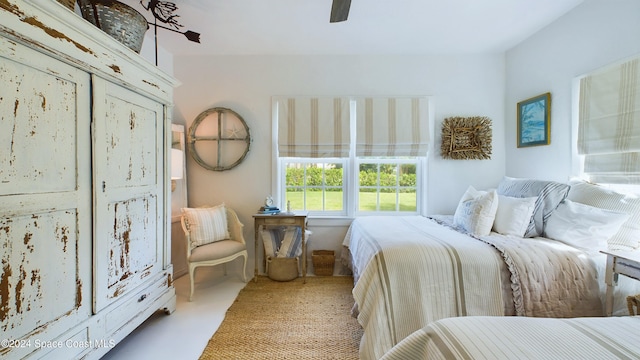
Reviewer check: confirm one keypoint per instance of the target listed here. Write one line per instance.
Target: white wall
(594, 34)
(148, 51)
(470, 85)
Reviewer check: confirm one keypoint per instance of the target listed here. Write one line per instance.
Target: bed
(411, 271)
(495, 338)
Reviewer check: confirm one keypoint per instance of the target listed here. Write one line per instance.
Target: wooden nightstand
(297, 218)
(619, 262)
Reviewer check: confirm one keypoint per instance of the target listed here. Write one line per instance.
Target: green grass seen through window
(334, 201)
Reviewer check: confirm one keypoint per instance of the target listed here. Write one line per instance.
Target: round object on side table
(120, 21)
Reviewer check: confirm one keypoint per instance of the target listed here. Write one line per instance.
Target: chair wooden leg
(192, 270)
(244, 268)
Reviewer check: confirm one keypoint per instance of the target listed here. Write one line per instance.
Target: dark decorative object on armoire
(120, 21)
(163, 11)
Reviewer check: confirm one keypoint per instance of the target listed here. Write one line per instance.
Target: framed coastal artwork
(534, 121)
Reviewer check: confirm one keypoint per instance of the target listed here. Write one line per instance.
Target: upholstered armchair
(214, 237)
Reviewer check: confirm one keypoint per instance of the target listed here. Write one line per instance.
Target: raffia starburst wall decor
(466, 138)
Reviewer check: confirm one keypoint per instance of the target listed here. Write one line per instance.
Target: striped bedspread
(411, 271)
(496, 338)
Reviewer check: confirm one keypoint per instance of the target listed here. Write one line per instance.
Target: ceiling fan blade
(339, 10)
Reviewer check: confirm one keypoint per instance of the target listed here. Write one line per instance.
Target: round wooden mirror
(219, 139)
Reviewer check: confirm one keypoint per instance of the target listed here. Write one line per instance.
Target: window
(315, 184)
(350, 156)
(387, 185)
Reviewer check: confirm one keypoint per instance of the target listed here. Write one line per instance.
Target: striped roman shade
(393, 126)
(313, 127)
(609, 124)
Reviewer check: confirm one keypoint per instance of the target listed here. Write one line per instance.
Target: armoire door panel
(130, 154)
(132, 243)
(128, 157)
(45, 197)
(38, 112)
(28, 283)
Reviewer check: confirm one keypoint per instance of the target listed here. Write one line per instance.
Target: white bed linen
(497, 338)
(411, 271)
(430, 277)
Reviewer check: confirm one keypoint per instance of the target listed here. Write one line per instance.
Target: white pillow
(514, 215)
(628, 237)
(583, 226)
(206, 225)
(476, 211)
(549, 193)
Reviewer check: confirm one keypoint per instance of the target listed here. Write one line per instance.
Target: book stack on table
(269, 210)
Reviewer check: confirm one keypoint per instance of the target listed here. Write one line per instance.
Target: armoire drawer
(124, 311)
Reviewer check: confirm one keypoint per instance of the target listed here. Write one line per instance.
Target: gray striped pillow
(550, 194)
(628, 237)
(206, 225)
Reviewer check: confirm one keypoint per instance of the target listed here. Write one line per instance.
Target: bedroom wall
(594, 34)
(466, 85)
(165, 58)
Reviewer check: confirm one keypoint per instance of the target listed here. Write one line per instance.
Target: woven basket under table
(323, 261)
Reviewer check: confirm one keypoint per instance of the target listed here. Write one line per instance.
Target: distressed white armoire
(84, 185)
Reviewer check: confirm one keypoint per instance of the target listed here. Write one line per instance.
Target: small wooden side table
(619, 262)
(297, 218)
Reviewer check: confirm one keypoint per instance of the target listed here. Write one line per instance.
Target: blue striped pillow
(291, 243)
(550, 194)
(271, 238)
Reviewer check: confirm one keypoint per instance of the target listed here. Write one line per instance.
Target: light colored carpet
(289, 320)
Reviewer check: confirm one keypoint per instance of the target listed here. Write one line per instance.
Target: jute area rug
(289, 320)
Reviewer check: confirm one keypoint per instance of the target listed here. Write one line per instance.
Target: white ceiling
(233, 27)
